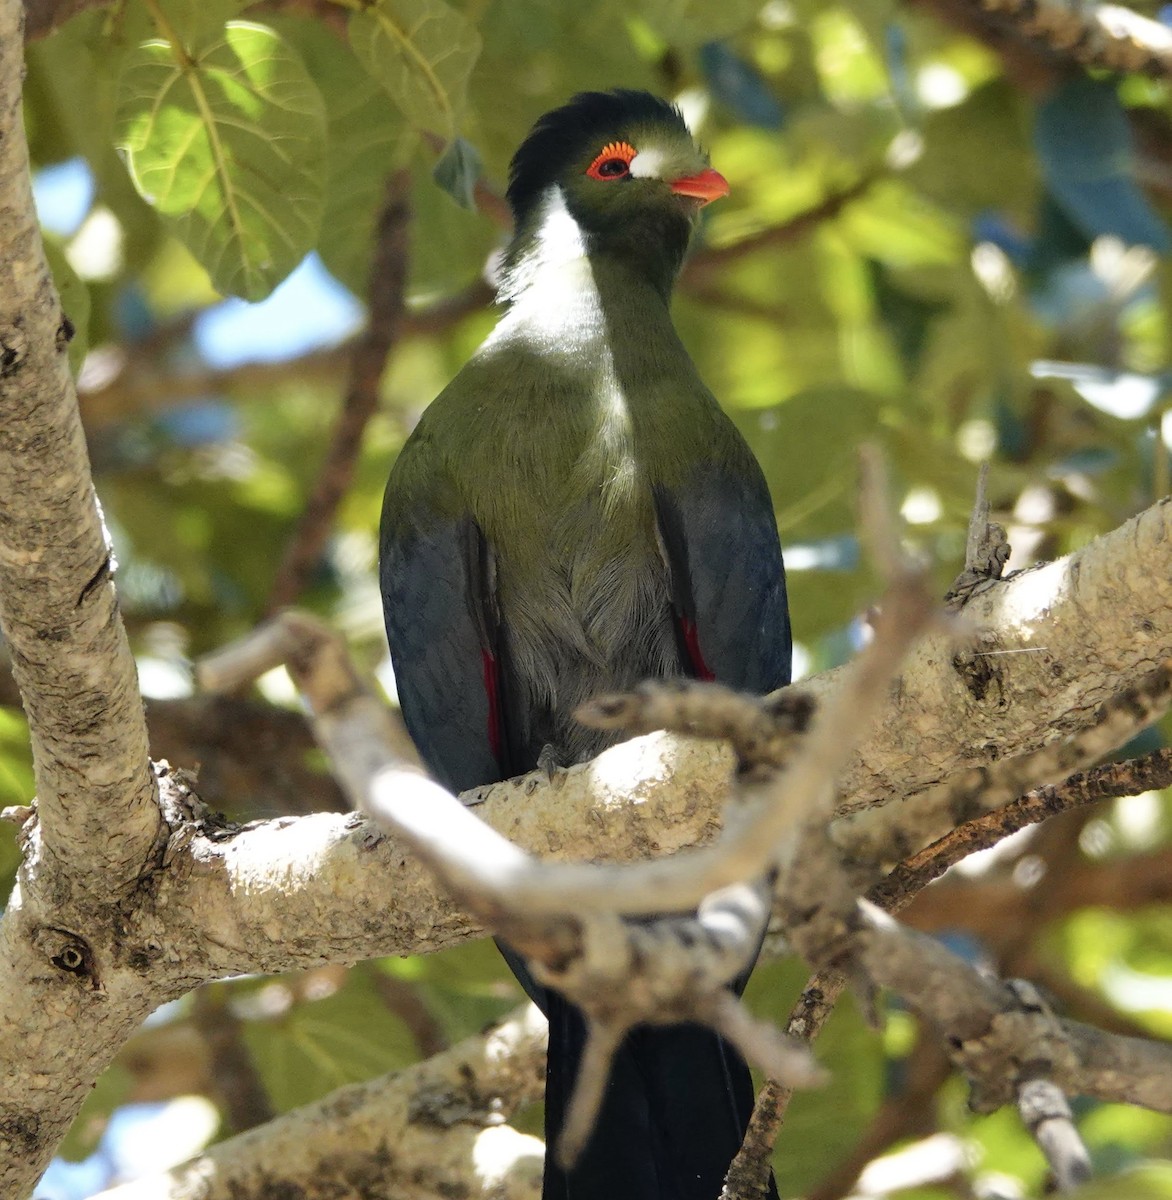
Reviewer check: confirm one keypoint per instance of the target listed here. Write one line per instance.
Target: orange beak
(706, 186)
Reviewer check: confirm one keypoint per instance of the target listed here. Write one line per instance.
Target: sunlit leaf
(230, 148)
(367, 139)
(422, 52)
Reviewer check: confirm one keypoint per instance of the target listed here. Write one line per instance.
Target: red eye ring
(613, 161)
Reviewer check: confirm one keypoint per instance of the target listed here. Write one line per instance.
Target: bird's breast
(581, 586)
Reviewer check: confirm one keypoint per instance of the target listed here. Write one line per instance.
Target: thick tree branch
(412, 1135)
(58, 610)
(62, 962)
(1107, 36)
(897, 831)
(1052, 644)
(1093, 622)
(293, 893)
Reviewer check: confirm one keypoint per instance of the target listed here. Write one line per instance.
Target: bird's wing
(719, 537)
(435, 574)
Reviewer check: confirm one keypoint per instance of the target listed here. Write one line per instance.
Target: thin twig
(986, 549)
(1129, 778)
(388, 281)
(748, 1175)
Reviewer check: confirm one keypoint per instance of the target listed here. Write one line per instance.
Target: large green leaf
(422, 52)
(321, 1044)
(367, 139)
(229, 145)
(70, 94)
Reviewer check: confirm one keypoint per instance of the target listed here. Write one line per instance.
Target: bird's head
(624, 168)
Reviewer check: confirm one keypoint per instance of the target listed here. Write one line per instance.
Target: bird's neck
(553, 260)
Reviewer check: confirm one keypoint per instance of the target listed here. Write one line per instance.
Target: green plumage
(554, 435)
(575, 514)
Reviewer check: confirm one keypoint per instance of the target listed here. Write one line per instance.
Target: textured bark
(62, 961)
(301, 891)
(58, 609)
(435, 1129)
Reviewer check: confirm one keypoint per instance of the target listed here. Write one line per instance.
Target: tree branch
(58, 610)
(1107, 36)
(994, 1036)
(385, 295)
(1104, 608)
(1114, 779)
(411, 1134)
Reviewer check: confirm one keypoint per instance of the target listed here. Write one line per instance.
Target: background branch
(385, 299)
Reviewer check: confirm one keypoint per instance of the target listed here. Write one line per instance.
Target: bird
(572, 515)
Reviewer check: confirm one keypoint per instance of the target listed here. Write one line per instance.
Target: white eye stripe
(647, 164)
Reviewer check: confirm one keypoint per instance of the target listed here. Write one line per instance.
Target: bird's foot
(549, 770)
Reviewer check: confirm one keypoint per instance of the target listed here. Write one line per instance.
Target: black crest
(586, 121)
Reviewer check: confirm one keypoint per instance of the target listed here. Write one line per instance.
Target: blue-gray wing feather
(719, 533)
(437, 613)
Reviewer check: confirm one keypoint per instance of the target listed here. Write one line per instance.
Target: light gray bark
(62, 966)
(412, 1135)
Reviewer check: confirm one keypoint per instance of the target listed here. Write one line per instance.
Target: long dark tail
(676, 1107)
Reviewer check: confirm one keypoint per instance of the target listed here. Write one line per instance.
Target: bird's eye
(613, 161)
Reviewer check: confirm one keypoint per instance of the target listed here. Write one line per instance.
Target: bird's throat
(553, 259)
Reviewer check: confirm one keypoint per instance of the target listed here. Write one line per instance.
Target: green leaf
(457, 171)
(422, 53)
(367, 138)
(70, 100)
(230, 147)
(195, 20)
(1086, 151)
(321, 1044)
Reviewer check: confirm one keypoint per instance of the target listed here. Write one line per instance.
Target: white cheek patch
(648, 164)
(558, 235)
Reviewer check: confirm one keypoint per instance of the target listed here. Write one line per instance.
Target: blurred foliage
(993, 287)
